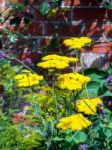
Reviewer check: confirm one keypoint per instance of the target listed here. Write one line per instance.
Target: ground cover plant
(52, 105)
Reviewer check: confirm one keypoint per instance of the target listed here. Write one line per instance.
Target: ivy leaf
(13, 37)
(80, 137)
(18, 6)
(108, 6)
(44, 8)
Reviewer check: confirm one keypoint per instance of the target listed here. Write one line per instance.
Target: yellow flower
(74, 122)
(77, 43)
(56, 62)
(72, 81)
(28, 79)
(88, 106)
(58, 57)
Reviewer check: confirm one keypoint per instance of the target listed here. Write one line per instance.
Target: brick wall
(85, 18)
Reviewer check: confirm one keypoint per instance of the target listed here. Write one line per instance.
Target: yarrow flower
(77, 43)
(72, 81)
(58, 57)
(27, 79)
(88, 106)
(74, 122)
(56, 62)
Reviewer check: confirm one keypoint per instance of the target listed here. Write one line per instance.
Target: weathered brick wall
(85, 18)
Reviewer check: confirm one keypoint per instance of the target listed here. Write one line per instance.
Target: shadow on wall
(96, 60)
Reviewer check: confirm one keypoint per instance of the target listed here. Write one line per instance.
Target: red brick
(37, 16)
(35, 29)
(99, 48)
(61, 15)
(54, 48)
(70, 30)
(93, 29)
(20, 1)
(81, 2)
(36, 2)
(108, 30)
(34, 56)
(89, 14)
(62, 30)
(44, 42)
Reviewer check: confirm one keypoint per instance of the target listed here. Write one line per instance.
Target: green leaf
(104, 92)
(44, 8)
(57, 138)
(18, 6)
(110, 69)
(108, 133)
(68, 139)
(95, 74)
(1, 20)
(80, 137)
(110, 125)
(108, 6)
(13, 37)
(17, 68)
(91, 89)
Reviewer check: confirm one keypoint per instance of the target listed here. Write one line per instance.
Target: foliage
(17, 137)
(44, 115)
(41, 121)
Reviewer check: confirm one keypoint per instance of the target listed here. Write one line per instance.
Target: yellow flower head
(58, 57)
(88, 106)
(77, 43)
(72, 81)
(56, 62)
(53, 64)
(74, 122)
(28, 79)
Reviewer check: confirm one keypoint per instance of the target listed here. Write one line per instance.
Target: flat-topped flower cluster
(27, 79)
(56, 62)
(72, 81)
(77, 43)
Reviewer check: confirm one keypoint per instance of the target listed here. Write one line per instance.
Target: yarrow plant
(71, 113)
(68, 114)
